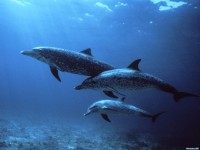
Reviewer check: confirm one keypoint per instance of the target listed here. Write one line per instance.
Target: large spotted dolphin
(106, 107)
(129, 79)
(82, 63)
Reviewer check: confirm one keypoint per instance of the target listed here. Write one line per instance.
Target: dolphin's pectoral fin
(105, 117)
(87, 52)
(114, 90)
(134, 65)
(110, 94)
(54, 71)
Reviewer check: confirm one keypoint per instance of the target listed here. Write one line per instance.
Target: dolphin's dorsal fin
(87, 52)
(134, 65)
(110, 94)
(105, 117)
(54, 71)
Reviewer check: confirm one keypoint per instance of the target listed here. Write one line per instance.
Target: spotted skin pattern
(70, 61)
(125, 79)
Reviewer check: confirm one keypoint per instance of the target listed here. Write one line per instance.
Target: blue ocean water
(38, 112)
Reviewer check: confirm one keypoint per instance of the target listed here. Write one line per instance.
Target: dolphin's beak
(87, 113)
(23, 52)
(79, 87)
(28, 53)
(33, 54)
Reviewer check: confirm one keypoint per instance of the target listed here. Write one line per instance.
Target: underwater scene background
(38, 112)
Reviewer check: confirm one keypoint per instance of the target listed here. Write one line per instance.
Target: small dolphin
(82, 63)
(129, 79)
(105, 107)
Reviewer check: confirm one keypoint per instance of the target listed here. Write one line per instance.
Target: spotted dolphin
(82, 63)
(129, 79)
(107, 107)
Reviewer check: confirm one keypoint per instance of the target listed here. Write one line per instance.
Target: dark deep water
(38, 112)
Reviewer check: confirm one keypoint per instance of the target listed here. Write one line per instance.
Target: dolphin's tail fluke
(155, 117)
(179, 95)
